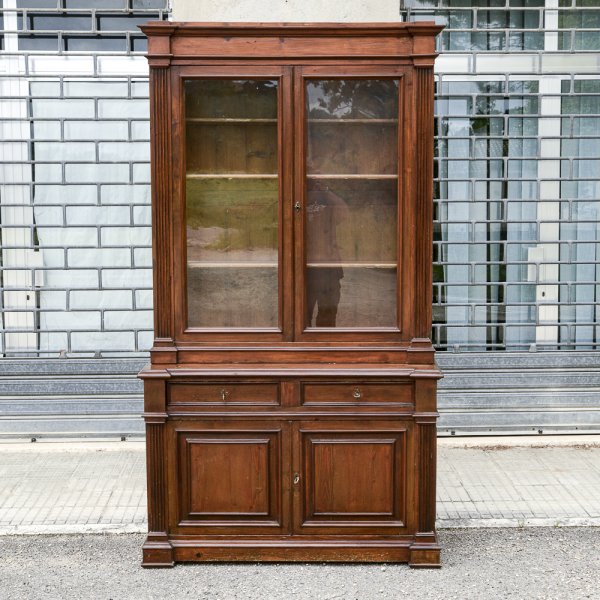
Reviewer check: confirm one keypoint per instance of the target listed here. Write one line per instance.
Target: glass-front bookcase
(291, 397)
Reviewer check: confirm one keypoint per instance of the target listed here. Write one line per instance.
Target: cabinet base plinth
(157, 555)
(165, 554)
(362, 551)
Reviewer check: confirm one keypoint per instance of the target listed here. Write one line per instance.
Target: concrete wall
(286, 10)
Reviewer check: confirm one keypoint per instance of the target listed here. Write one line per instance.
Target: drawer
(224, 393)
(356, 394)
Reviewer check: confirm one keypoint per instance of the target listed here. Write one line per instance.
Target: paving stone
(84, 487)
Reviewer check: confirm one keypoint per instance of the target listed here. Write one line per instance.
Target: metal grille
(517, 175)
(517, 184)
(74, 191)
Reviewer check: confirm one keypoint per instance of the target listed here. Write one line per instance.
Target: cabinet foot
(425, 557)
(157, 554)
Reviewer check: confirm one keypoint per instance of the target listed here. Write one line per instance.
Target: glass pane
(351, 203)
(232, 193)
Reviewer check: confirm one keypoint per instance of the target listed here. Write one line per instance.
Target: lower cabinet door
(351, 477)
(229, 477)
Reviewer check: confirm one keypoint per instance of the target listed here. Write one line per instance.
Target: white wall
(286, 10)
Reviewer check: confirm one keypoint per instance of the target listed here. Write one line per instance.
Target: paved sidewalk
(92, 487)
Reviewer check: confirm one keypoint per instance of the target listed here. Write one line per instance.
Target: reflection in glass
(351, 203)
(232, 195)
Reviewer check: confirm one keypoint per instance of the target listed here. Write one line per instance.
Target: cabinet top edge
(169, 28)
(298, 371)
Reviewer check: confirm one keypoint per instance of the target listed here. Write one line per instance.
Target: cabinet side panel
(425, 402)
(157, 550)
(156, 477)
(424, 200)
(161, 158)
(427, 461)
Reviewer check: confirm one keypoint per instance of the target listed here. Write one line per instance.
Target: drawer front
(357, 393)
(224, 393)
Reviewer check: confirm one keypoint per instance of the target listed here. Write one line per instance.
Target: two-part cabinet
(290, 402)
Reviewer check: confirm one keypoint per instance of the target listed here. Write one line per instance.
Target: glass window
(54, 22)
(232, 199)
(38, 43)
(351, 204)
(95, 4)
(121, 22)
(95, 44)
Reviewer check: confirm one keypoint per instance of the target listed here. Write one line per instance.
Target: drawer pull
(296, 478)
(357, 394)
(224, 394)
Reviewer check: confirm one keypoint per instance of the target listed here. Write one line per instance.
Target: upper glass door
(232, 190)
(350, 197)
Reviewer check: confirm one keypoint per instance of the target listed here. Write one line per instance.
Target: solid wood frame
(372, 389)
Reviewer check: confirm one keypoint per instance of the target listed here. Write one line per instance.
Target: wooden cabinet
(290, 401)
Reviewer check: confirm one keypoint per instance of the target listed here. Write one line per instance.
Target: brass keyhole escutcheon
(224, 394)
(296, 478)
(357, 394)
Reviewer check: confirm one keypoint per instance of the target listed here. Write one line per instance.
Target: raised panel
(288, 46)
(352, 477)
(230, 477)
(340, 488)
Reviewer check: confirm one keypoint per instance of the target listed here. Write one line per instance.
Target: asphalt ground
(517, 563)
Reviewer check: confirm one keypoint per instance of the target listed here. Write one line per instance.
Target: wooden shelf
(356, 121)
(266, 265)
(355, 265)
(226, 121)
(350, 176)
(232, 175)
(234, 265)
(276, 175)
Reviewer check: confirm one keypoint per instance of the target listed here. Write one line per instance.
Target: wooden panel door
(231, 477)
(351, 477)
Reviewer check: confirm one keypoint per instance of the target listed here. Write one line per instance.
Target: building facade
(517, 200)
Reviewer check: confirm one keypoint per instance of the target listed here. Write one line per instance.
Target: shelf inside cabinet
(355, 121)
(351, 176)
(232, 175)
(353, 265)
(198, 264)
(226, 120)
